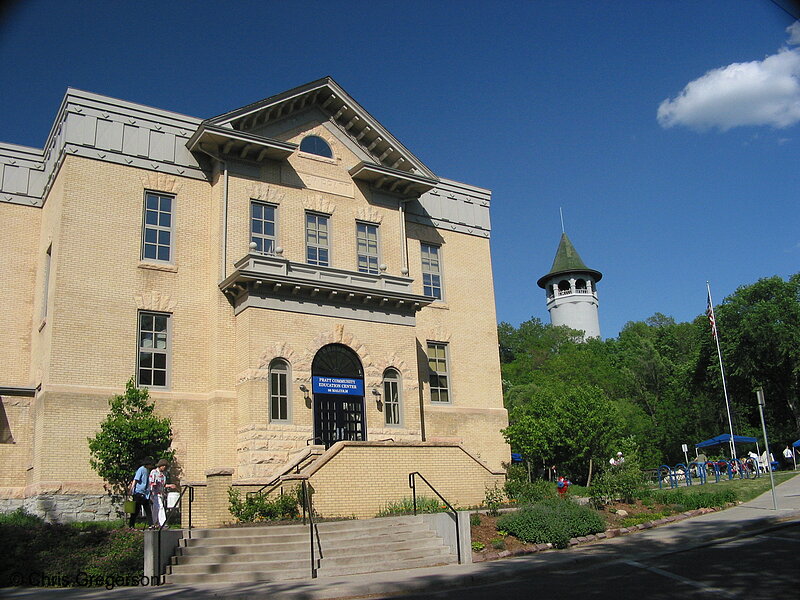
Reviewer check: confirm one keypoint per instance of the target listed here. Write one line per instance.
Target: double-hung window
(438, 373)
(154, 349)
(391, 397)
(317, 239)
(367, 247)
(431, 270)
(262, 227)
(279, 390)
(158, 227)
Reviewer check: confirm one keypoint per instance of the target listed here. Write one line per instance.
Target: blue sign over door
(337, 385)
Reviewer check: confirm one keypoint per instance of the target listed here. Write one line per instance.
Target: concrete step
(238, 576)
(272, 553)
(281, 536)
(304, 573)
(327, 526)
(268, 552)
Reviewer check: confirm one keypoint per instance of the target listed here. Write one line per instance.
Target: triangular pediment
(324, 98)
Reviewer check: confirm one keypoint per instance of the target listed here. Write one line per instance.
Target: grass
(745, 489)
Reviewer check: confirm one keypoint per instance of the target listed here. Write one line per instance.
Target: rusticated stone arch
(392, 361)
(336, 336)
(320, 204)
(161, 182)
(368, 214)
(265, 193)
(155, 301)
(438, 333)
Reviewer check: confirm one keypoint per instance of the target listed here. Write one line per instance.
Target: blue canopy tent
(725, 438)
(796, 444)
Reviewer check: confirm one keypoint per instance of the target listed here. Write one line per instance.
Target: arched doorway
(337, 379)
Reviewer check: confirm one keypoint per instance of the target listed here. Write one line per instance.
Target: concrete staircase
(270, 553)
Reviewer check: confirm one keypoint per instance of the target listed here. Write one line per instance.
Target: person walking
(140, 491)
(788, 456)
(158, 493)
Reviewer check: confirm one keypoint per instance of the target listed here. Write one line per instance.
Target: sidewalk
(757, 514)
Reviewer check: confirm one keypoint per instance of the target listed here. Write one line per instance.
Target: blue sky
(548, 104)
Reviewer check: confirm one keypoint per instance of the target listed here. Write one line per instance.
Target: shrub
(478, 546)
(551, 522)
(55, 553)
(498, 543)
(493, 500)
(527, 492)
(255, 507)
(622, 483)
(695, 500)
(474, 519)
(405, 506)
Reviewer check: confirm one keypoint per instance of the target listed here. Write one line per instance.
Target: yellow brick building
(283, 277)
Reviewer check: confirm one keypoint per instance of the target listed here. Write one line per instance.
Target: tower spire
(571, 289)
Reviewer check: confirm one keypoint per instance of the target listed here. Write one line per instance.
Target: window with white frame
(317, 239)
(158, 227)
(367, 247)
(391, 397)
(279, 390)
(154, 349)
(431, 270)
(438, 372)
(262, 227)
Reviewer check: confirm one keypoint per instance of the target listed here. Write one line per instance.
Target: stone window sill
(166, 267)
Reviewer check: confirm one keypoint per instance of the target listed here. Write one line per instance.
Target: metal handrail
(170, 512)
(275, 482)
(412, 483)
(178, 504)
(312, 528)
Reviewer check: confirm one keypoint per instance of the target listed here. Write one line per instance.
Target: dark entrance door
(338, 416)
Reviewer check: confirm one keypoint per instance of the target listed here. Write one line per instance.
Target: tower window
(313, 144)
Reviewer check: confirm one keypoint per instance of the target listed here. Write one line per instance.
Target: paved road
(752, 566)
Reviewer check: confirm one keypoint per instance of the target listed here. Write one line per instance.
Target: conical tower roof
(568, 260)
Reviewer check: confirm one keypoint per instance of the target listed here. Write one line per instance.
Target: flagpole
(721, 370)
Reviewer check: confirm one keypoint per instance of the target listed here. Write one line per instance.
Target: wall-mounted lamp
(304, 389)
(377, 396)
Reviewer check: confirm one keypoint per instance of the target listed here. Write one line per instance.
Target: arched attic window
(313, 144)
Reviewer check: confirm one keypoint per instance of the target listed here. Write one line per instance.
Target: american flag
(710, 313)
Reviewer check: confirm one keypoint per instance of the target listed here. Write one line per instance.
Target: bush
(255, 507)
(551, 522)
(625, 483)
(695, 500)
(474, 519)
(493, 500)
(406, 507)
(528, 492)
(53, 554)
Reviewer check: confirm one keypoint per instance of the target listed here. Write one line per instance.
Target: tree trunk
(589, 479)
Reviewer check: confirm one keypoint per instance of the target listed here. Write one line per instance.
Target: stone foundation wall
(66, 508)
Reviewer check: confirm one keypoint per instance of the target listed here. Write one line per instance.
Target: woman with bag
(139, 490)
(158, 493)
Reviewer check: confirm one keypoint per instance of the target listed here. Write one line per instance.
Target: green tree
(759, 332)
(561, 424)
(130, 432)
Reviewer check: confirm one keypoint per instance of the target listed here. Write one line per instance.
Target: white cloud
(794, 33)
(765, 92)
